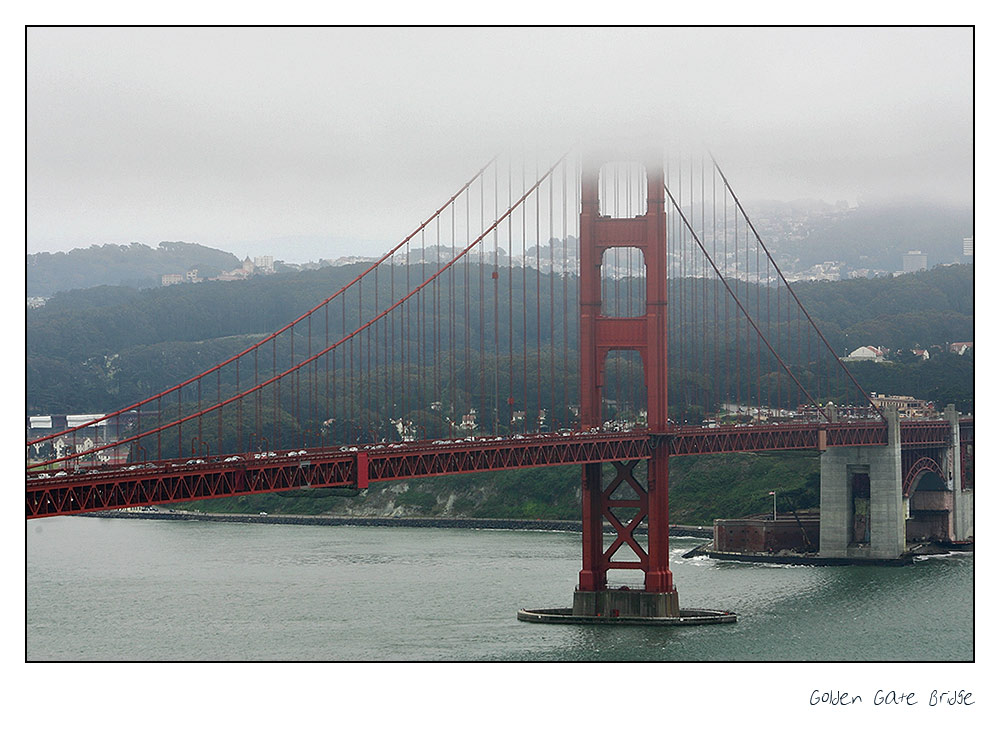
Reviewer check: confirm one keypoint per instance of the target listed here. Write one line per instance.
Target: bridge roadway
(92, 489)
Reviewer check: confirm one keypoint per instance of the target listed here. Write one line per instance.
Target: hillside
(924, 308)
(134, 265)
(702, 489)
(98, 349)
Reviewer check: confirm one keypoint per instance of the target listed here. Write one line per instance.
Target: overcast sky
(353, 136)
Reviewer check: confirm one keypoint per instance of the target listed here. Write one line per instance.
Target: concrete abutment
(962, 499)
(864, 508)
(861, 500)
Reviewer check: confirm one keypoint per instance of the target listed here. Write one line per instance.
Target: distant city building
(246, 269)
(40, 421)
(190, 277)
(72, 421)
(468, 421)
(967, 248)
(920, 353)
(36, 302)
(914, 261)
(828, 271)
(960, 347)
(908, 407)
(100, 432)
(866, 353)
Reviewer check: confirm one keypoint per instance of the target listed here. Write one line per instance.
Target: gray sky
(230, 136)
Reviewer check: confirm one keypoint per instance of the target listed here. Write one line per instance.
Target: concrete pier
(625, 607)
(962, 500)
(626, 603)
(861, 500)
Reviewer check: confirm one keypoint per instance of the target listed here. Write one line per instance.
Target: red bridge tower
(646, 334)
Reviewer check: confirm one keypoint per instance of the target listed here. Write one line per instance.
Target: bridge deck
(162, 482)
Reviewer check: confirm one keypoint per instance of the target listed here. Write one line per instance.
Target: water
(146, 590)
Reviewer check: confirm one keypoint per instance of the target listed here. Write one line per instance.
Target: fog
(325, 142)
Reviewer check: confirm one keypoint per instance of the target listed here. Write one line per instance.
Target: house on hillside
(960, 348)
(866, 353)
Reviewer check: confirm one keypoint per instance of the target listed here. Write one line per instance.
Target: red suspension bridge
(536, 318)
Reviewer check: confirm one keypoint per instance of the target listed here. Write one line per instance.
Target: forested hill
(917, 309)
(132, 265)
(98, 349)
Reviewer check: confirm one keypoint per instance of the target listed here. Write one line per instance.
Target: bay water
(150, 590)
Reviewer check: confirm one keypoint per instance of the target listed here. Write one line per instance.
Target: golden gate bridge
(537, 318)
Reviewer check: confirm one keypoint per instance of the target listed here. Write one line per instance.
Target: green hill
(133, 265)
(98, 349)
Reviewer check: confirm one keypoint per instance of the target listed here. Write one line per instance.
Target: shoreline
(697, 531)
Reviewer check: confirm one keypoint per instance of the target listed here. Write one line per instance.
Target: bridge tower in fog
(624, 501)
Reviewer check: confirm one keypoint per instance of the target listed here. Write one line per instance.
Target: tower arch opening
(622, 189)
(623, 282)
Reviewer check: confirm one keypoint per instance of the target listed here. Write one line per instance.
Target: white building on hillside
(264, 264)
(866, 353)
(960, 347)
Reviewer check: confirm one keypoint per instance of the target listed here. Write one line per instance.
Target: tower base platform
(625, 607)
(565, 616)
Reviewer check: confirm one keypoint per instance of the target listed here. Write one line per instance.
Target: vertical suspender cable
(715, 304)
(538, 304)
(725, 270)
(524, 301)
(435, 318)
(564, 278)
(451, 330)
(510, 299)
(496, 303)
(421, 332)
(480, 308)
(218, 399)
(552, 310)
(705, 369)
(685, 352)
(466, 313)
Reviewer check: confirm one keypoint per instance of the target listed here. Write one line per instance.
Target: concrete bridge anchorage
(874, 500)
